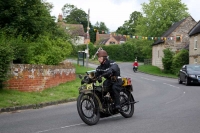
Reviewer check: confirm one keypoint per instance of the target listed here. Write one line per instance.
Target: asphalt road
(164, 107)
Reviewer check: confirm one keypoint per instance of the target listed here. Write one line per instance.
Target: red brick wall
(25, 77)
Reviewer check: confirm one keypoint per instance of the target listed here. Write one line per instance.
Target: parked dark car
(190, 74)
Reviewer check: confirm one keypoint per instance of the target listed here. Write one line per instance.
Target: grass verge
(154, 71)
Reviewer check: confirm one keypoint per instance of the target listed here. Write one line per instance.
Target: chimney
(60, 19)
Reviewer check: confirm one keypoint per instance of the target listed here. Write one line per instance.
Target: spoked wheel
(127, 104)
(88, 108)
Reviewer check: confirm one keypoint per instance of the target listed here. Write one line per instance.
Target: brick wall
(26, 77)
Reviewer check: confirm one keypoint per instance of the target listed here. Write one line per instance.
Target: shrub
(167, 60)
(180, 59)
(6, 57)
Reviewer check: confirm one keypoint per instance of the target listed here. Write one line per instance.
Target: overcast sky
(114, 12)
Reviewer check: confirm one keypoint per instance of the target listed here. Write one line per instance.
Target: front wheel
(127, 104)
(187, 82)
(179, 80)
(88, 108)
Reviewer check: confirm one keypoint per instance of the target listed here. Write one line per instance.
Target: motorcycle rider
(135, 65)
(111, 72)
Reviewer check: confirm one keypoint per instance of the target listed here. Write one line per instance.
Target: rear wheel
(127, 104)
(134, 69)
(88, 108)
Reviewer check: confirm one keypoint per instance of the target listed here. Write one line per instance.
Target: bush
(6, 58)
(167, 60)
(180, 59)
(47, 51)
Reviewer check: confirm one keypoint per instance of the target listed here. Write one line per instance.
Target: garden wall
(26, 77)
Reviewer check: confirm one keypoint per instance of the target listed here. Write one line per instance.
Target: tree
(123, 29)
(159, 16)
(28, 18)
(73, 15)
(129, 26)
(101, 27)
(133, 21)
(48, 5)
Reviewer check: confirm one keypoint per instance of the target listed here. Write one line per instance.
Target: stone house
(75, 30)
(107, 39)
(175, 38)
(194, 47)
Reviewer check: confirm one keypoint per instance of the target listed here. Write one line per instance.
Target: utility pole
(88, 37)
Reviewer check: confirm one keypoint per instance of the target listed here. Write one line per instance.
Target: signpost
(88, 28)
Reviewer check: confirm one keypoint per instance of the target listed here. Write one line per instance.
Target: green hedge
(140, 49)
(6, 57)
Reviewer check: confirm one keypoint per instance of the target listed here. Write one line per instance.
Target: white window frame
(195, 60)
(195, 43)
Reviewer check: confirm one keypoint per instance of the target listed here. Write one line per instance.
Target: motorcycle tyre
(134, 69)
(132, 105)
(80, 111)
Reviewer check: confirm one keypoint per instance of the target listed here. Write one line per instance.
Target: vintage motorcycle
(95, 102)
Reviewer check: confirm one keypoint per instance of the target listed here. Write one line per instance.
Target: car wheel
(186, 81)
(179, 80)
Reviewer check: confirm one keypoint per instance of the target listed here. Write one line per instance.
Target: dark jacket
(108, 69)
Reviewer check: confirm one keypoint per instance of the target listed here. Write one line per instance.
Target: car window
(193, 68)
(196, 68)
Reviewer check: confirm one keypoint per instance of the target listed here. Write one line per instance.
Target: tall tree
(73, 15)
(128, 28)
(159, 16)
(134, 21)
(25, 17)
(101, 27)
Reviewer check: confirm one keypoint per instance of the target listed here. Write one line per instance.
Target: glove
(99, 79)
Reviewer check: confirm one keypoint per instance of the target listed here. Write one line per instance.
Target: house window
(112, 42)
(195, 43)
(178, 38)
(195, 60)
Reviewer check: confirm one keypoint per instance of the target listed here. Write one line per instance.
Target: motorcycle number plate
(89, 87)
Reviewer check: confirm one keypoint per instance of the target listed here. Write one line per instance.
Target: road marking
(60, 128)
(176, 99)
(147, 79)
(171, 85)
(72, 125)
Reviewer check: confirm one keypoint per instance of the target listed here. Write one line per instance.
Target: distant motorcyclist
(135, 66)
(111, 72)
